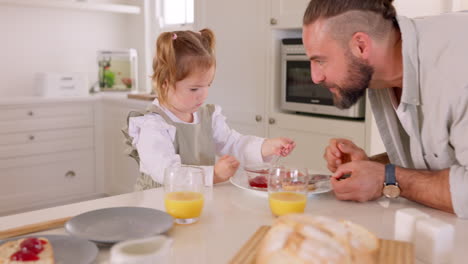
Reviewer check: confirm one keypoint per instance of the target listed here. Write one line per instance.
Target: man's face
(335, 67)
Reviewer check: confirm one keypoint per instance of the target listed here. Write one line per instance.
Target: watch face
(391, 191)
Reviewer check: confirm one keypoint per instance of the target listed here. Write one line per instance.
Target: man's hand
(225, 168)
(340, 151)
(365, 183)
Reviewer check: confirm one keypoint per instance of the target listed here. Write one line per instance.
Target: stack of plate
(104, 227)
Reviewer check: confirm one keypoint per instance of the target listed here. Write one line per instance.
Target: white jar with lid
(142, 251)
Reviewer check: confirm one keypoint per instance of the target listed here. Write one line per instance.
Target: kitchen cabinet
(55, 151)
(239, 84)
(287, 13)
(418, 8)
(312, 135)
(120, 170)
(46, 152)
(459, 5)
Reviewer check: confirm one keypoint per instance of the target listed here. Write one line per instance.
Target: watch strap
(390, 178)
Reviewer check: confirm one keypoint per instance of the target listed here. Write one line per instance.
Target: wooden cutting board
(36, 227)
(391, 251)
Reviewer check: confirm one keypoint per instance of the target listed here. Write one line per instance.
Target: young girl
(180, 129)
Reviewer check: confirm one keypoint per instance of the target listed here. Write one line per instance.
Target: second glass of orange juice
(183, 187)
(287, 190)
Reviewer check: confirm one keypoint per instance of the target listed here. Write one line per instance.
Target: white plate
(240, 180)
(67, 249)
(112, 225)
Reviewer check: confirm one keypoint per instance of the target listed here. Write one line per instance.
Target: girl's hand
(225, 168)
(277, 146)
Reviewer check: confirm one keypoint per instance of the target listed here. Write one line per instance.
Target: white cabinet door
(459, 5)
(239, 84)
(121, 170)
(418, 8)
(312, 135)
(47, 153)
(287, 13)
(40, 179)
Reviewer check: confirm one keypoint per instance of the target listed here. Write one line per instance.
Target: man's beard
(355, 85)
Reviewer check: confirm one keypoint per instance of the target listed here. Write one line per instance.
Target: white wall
(58, 40)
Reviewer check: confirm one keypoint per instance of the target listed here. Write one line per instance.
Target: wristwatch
(390, 189)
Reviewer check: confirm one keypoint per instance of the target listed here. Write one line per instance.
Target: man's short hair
(329, 8)
(346, 17)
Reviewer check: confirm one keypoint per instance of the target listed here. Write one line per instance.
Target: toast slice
(10, 248)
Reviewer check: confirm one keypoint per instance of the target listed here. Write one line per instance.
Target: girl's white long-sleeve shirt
(153, 137)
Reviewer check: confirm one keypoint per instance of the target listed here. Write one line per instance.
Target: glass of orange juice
(183, 188)
(287, 190)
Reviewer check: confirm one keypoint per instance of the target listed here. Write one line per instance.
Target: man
(417, 74)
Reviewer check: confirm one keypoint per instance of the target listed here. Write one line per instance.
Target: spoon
(276, 160)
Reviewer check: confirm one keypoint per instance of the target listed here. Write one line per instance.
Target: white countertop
(231, 215)
(114, 97)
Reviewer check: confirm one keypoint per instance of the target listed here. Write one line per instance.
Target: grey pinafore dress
(193, 143)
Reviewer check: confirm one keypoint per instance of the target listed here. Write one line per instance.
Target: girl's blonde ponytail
(208, 39)
(164, 64)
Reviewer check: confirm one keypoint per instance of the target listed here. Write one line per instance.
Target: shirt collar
(410, 53)
(172, 116)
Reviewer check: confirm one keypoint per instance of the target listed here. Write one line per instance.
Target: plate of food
(255, 179)
(47, 249)
(115, 224)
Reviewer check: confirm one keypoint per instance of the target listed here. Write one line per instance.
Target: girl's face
(190, 93)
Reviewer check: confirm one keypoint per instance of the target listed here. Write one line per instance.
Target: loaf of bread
(27, 251)
(302, 238)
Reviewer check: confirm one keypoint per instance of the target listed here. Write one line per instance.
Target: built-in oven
(300, 94)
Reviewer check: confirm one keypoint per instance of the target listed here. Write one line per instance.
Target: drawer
(45, 124)
(22, 119)
(28, 112)
(45, 142)
(46, 178)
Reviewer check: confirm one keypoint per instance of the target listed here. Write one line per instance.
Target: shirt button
(435, 155)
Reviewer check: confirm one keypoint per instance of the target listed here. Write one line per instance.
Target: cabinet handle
(273, 21)
(31, 137)
(258, 118)
(70, 174)
(271, 121)
(30, 113)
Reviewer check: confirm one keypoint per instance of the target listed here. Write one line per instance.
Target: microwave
(300, 94)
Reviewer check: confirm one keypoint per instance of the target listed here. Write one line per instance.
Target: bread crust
(302, 238)
(46, 256)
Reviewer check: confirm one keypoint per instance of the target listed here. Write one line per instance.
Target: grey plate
(68, 250)
(112, 225)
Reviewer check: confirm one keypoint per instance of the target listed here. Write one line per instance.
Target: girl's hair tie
(174, 36)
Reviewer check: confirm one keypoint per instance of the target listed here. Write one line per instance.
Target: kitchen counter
(115, 97)
(25, 100)
(231, 215)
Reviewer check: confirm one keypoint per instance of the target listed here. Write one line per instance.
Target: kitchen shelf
(79, 5)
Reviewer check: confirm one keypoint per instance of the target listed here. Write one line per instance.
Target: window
(176, 13)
